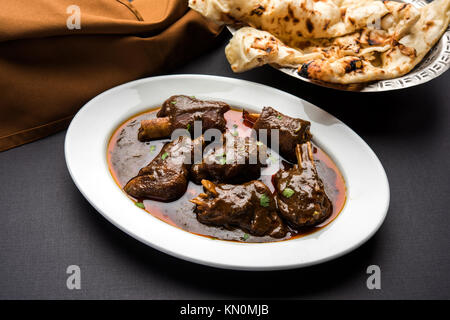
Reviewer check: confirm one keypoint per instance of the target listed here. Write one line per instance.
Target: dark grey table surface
(47, 225)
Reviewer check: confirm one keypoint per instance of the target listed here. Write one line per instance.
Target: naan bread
(250, 48)
(398, 60)
(402, 39)
(291, 20)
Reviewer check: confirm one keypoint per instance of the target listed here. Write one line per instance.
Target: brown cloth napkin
(47, 71)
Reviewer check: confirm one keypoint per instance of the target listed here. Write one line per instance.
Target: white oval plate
(366, 181)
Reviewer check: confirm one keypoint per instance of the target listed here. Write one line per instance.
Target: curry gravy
(127, 155)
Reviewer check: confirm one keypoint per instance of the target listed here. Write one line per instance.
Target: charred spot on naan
(309, 25)
(428, 25)
(259, 10)
(408, 51)
(268, 45)
(291, 15)
(303, 70)
(374, 37)
(303, 44)
(353, 65)
(316, 69)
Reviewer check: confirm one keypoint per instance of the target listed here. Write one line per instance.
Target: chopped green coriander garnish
(245, 237)
(173, 102)
(235, 133)
(152, 148)
(193, 97)
(164, 156)
(279, 117)
(222, 160)
(288, 192)
(264, 201)
(235, 126)
(188, 127)
(140, 205)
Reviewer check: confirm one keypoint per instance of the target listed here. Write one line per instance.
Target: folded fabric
(55, 55)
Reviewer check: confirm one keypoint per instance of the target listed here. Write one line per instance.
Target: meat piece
(156, 128)
(292, 131)
(249, 206)
(301, 197)
(180, 112)
(238, 160)
(165, 178)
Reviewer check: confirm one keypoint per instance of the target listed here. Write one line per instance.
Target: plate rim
(184, 256)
